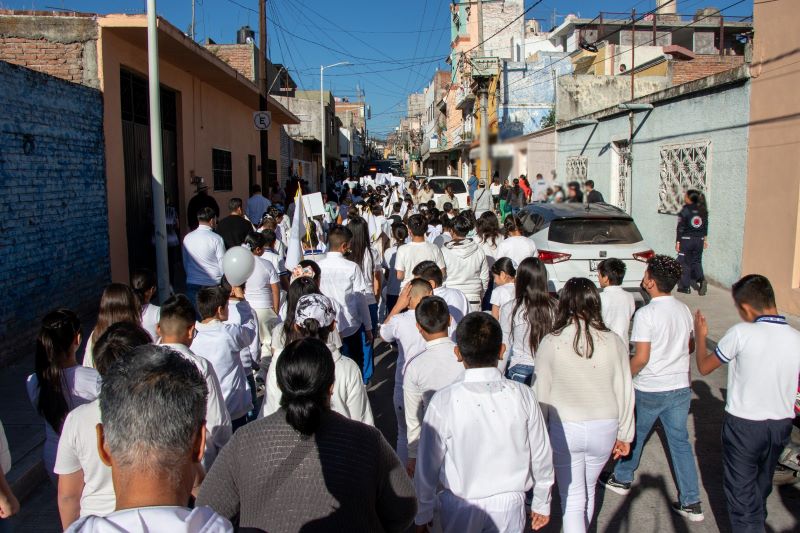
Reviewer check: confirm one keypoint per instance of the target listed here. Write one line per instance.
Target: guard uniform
(692, 230)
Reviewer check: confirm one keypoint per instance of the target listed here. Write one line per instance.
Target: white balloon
(237, 265)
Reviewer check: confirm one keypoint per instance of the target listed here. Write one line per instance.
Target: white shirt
(467, 269)
(81, 385)
(516, 248)
(240, 313)
(411, 254)
(390, 264)
(402, 329)
(220, 344)
(218, 421)
(502, 294)
(341, 282)
(617, 307)
(203, 251)
(5, 452)
(369, 267)
(257, 289)
(257, 205)
(429, 372)
(490, 249)
(276, 259)
(516, 335)
(77, 450)
(155, 520)
(764, 362)
(481, 437)
(456, 301)
(668, 325)
(150, 316)
(495, 188)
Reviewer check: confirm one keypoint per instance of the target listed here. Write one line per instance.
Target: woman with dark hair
(504, 199)
(369, 266)
(516, 197)
(574, 193)
(692, 239)
(297, 289)
(503, 276)
(516, 246)
(144, 285)
(59, 384)
(117, 304)
(527, 319)
(307, 468)
(487, 234)
(584, 386)
(399, 237)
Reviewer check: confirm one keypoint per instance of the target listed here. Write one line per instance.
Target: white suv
(438, 184)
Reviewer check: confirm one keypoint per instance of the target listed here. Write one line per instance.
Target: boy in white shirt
(457, 302)
(221, 344)
(467, 268)
(240, 312)
(432, 370)
(476, 480)
(663, 337)
(617, 304)
(763, 356)
(417, 251)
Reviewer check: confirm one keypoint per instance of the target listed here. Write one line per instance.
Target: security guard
(691, 241)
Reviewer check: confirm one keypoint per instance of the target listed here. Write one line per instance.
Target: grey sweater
(345, 477)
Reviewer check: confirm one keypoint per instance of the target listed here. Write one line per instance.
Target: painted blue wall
(719, 115)
(54, 225)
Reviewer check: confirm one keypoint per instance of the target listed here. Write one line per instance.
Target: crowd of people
(247, 405)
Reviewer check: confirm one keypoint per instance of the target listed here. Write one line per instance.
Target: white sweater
(467, 269)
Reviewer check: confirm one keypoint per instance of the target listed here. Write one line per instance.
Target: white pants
(266, 321)
(402, 429)
(580, 450)
(503, 513)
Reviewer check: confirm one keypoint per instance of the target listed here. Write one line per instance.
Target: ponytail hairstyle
(504, 264)
(698, 200)
(359, 245)
(305, 372)
(533, 300)
(400, 233)
(143, 281)
(513, 224)
(309, 329)
(53, 348)
(580, 304)
(118, 304)
(488, 228)
(298, 288)
(255, 240)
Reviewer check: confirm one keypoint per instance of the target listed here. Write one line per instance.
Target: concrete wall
(700, 116)
(54, 232)
(772, 230)
(503, 19)
(577, 96)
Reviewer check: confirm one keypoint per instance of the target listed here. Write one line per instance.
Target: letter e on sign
(262, 120)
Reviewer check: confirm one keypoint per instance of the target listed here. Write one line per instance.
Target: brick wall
(239, 56)
(62, 60)
(702, 66)
(54, 228)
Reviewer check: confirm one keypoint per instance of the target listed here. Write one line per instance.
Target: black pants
(750, 451)
(690, 257)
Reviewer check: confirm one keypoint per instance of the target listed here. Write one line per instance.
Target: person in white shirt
(203, 252)
(239, 313)
(584, 386)
(315, 317)
(448, 198)
(763, 358)
(467, 269)
(527, 319)
(482, 200)
(262, 289)
(430, 371)
(9, 505)
(272, 255)
(117, 304)
(417, 251)
(59, 384)
(445, 231)
(144, 285)
(257, 205)
(663, 340)
(153, 402)
(487, 234)
(457, 302)
(220, 344)
(399, 234)
(476, 479)
(618, 304)
(341, 281)
(176, 329)
(504, 272)
(84, 482)
(516, 245)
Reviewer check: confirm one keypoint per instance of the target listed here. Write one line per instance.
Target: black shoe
(696, 285)
(608, 480)
(693, 512)
(703, 290)
(685, 291)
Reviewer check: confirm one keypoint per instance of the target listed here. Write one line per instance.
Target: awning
(496, 151)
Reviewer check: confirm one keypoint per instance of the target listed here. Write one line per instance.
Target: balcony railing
(464, 96)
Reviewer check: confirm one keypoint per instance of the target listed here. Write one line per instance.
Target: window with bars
(222, 170)
(681, 167)
(577, 168)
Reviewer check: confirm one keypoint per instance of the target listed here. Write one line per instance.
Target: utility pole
(483, 92)
(262, 86)
(193, 1)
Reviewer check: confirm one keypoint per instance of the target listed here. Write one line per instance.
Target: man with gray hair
(153, 406)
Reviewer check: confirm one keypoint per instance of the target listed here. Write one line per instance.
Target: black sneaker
(693, 512)
(608, 480)
(685, 291)
(703, 288)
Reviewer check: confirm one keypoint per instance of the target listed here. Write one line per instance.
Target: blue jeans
(369, 351)
(672, 408)
(191, 293)
(521, 373)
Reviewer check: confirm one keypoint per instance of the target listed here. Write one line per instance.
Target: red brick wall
(64, 61)
(238, 56)
(702, 66)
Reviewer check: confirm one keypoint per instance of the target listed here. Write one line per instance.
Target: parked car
(439, 183)
(572, 239)
(382, 166)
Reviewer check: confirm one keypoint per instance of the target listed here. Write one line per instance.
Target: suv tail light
(644, 256)
(551, 258)
(469, 201)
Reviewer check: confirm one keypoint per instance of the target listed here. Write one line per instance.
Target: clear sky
(394, 46)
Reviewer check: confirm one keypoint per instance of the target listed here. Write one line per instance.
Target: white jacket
(467, 269)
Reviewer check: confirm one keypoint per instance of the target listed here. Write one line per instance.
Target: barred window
(222, 170)
(577, 168)
(682, 167)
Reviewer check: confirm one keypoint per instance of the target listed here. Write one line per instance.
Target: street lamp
(323, 181)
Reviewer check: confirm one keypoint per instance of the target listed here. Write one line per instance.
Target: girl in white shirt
(399, 236)
(262, 289)
(118, 304)
(584, 386)
(503, 273)
(516, 245)
(144, 285)
(527, 319)
(487, 231)
(59, 384)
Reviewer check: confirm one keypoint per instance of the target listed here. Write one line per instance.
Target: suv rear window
(594, 231)
(438, 185)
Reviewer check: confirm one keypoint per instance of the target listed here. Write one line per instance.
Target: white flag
(294, 250)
